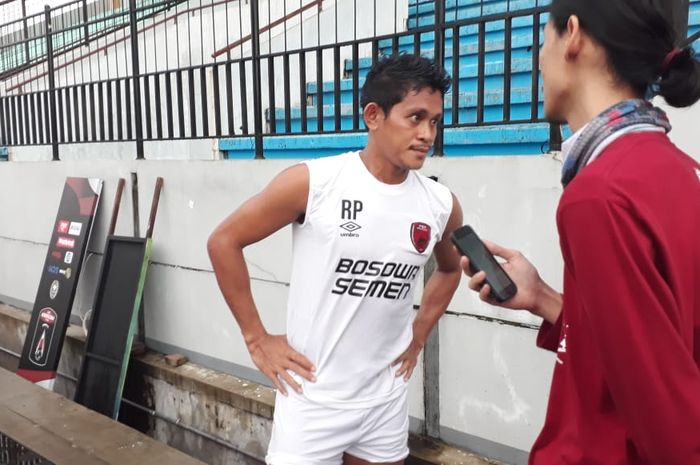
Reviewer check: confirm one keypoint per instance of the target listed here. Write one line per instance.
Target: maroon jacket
(626, 386)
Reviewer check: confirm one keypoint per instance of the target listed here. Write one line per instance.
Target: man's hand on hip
(273, 355)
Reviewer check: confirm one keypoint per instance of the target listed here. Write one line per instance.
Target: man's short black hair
(394, 76)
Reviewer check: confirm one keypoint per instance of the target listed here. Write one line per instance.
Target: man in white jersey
(364, 224)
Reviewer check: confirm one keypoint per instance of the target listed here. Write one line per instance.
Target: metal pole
(681, 19)
(136, 77)
(431, 370)
(52, 84)
(257, 84)
(26, 31)
(554, 137)
(86, 32)
(440, 60)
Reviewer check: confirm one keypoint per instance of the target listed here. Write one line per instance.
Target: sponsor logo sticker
(68, 258)
(63, 227)
(53, 290)
(43, 336)
(75, 228)
(56, 254)
(65, 243)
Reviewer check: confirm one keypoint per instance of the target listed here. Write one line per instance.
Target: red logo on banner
(65, 243)
(420, 236)
(48, 316)
(62, 227)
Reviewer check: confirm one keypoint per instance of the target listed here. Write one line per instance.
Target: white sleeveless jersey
(356, 260)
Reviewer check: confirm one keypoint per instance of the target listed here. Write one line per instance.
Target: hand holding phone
(480, 259)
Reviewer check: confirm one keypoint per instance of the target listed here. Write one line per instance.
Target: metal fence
(170, 70)
(14, 453)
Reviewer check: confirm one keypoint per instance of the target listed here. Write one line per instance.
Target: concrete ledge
(215, 417)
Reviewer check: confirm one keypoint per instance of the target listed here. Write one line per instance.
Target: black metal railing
(220, 69)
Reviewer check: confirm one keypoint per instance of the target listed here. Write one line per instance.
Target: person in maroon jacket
(626, 385)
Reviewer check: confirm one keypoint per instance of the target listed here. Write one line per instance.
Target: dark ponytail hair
(639, 39)
(680, 82)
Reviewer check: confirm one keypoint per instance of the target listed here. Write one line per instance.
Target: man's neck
(380, 167)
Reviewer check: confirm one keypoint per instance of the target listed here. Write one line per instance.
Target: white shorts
(305, 433)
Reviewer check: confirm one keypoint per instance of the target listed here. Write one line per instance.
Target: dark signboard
(54, 298)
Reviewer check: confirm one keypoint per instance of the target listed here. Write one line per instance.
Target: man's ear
(574, 41)
(372, 115)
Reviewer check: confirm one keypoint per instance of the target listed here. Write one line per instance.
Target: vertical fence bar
(100, 106)
(302, 90)
(3, 125)
(93, 109)
(257, 83)
(169, 104)
(83, 101)
(356, 110)
(431, 370)
(61, 116)
(192, 104)
(455, 75)
(127, 106)
(680, 18)
(336, 87)
(137, 78)
(555, 139)
(244, 98)
(287, 96)
(319, 89)
(159, 111)
(76, 113)
(535, 66)
(229, 99)
(180, 104)
(440, 60)
(34, 129)
(119, 120)
(86, 32)
(203, 91)
(272, 112)
(507, 68)
(15, 121)
(481, 73)
(40, 117)
(110, 113)
(52, 84)
(217, 101)
(21, 117)
(147, 103)
(25, 29)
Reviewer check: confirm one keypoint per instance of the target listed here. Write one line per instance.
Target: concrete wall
(489, 395)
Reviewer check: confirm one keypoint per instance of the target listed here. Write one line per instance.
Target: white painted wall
(489, 387)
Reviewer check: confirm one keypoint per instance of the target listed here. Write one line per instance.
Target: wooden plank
(67, 433)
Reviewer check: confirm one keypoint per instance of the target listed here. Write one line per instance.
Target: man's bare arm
(282, 202)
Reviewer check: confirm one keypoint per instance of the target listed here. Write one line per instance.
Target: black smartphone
(480, 259)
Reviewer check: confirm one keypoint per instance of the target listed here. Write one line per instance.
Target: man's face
(407, 133)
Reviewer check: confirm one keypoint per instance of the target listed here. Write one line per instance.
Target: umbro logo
(350, 226)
